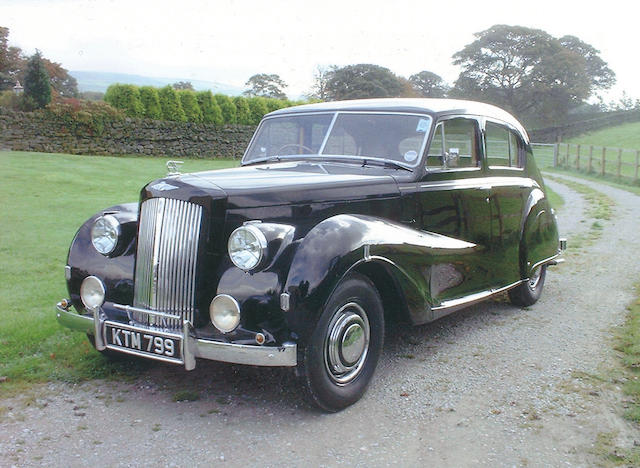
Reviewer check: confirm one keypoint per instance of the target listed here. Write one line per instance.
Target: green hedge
(151, 102)
(125, 97)
(189, 106)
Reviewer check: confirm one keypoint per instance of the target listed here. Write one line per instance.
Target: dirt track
(492, 385)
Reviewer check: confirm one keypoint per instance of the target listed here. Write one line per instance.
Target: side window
(503, 147)
(454, 145)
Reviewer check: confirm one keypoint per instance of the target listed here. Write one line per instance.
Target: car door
(505, 155)
(453, 199)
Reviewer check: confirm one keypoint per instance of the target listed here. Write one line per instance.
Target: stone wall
(34, 131)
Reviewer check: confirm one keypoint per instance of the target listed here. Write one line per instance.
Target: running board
(453, 305)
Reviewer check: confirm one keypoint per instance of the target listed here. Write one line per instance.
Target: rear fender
(539, 233)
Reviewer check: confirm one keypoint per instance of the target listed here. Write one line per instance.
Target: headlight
(225, 313)
(92, 292)
(246, 247)
(105, 233)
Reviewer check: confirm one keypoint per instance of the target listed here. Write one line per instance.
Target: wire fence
(621, 163)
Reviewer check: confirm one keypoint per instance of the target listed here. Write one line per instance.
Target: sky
(228, 41)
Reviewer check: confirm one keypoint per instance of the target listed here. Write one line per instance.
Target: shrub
(243, 113)
(228, 109)
(125, 97)
(79, 115)
(170, 105)
(190, 105)
(10, 100)
(257, 107)
(211, 112)
(150, 102)
(275, 104)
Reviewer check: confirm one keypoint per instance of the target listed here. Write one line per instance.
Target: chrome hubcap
(534, 279)
(347, 343)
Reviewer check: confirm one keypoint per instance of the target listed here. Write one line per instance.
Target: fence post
(590, 158)
(637, 164)
(568, 160)
(555, 155)
(619, 161)
(578, 158)
(604, 161)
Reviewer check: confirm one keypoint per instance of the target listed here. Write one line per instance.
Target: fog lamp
(225, 313)
(92, 292)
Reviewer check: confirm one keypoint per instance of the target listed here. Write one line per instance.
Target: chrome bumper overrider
(192, 347)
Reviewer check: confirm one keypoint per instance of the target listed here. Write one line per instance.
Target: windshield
(393, 136)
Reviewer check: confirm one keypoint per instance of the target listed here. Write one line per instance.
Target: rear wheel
(345, 345)
(528, 292)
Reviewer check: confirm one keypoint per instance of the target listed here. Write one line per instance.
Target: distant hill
(100, 81)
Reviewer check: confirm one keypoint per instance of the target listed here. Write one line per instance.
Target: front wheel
(345, 345)
(528, 292)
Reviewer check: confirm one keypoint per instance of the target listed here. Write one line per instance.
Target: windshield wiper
(386, 163)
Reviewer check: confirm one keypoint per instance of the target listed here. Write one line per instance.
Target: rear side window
(454, 145)
(503, 147)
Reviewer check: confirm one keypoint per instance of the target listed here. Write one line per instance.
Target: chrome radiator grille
(165, 276)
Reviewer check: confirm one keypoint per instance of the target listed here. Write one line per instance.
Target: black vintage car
(342, 216)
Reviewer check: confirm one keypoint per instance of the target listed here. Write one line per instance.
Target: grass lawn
(621, 136)
(44, 198)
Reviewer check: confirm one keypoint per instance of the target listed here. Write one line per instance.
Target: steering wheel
(297, 145)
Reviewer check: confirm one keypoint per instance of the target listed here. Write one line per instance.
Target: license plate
(156, 345)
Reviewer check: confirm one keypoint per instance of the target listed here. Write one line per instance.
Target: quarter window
(503, 146)
(453, 145)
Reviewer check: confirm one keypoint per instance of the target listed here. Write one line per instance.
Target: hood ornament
(172, 167)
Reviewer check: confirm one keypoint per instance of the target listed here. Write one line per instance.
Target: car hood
(285, 183)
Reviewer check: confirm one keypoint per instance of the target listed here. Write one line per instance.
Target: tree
(321, 77)
(243, 113)
(362, 81)
(37, 88)
(264, 85)
(228, 108)
(529, 71)
(211, 112)
(428, 84)
(190, 106)
(11, 61)
(257, 107)
(179, 85)
(125, 97)
(170, 105)
(151, 102)
(62, 83)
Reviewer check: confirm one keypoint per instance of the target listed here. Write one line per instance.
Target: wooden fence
(618, 162)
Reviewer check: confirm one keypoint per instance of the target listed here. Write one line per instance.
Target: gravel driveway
(492, 385)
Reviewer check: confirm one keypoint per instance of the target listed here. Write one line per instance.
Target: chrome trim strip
(128, 309)
(545, 261)
(452, 305)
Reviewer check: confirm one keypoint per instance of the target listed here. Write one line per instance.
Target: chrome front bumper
(192, 347)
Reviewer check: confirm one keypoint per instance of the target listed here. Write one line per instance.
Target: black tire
(528, 292)
(340, 359)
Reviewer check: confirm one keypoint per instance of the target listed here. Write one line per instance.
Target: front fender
(339, 244)
(115, 270)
